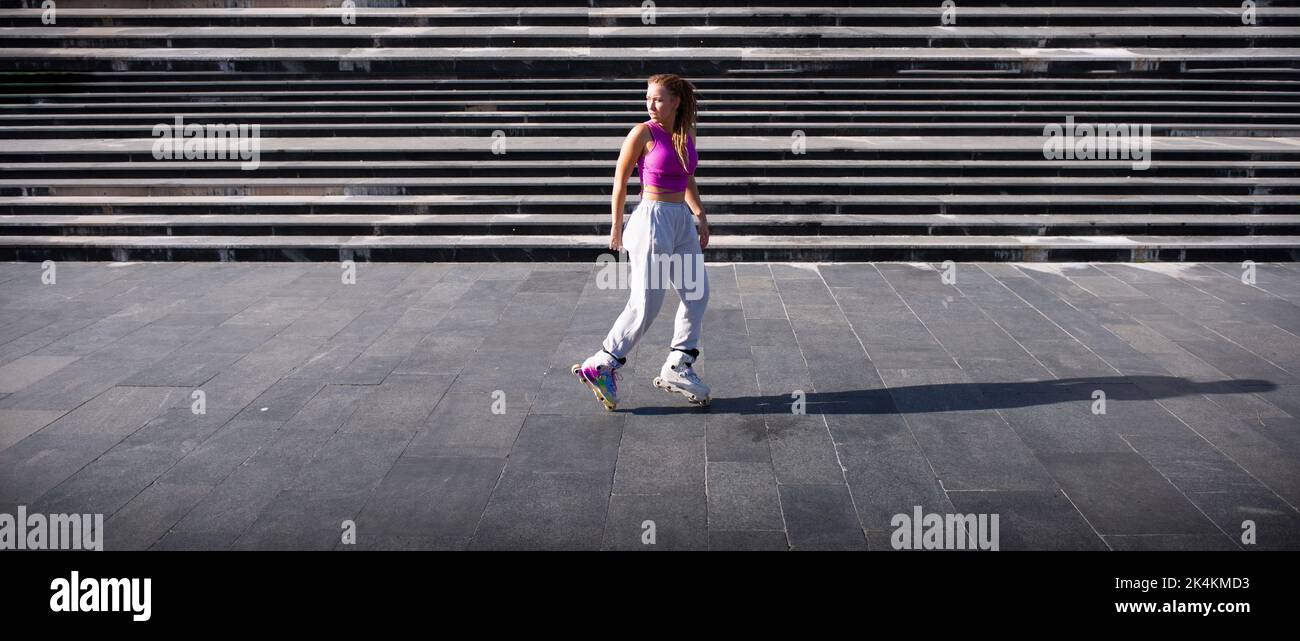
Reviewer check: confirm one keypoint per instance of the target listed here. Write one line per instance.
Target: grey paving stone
(401, 402)
(368, 369)
(90, 338)
(110, 481)
(485, 374)
(1276, 524)
(802, 449)
(223, 514)
(1284, 397)
(1273, 466)
(214, 460)
(329, 408)
(821, 517)
(1014, 368)
(16, 425)
(895, 356)
(657, 458)
(464, 424)
(740, 439)
(805, 292)
(978, 451)
(781, 370)
(886, 470)
(143, 521)
(1123, 494)
(72, 385)
(406, 543)
(27, 370)
(1182, 542)
(928, 390)
(670, 521)
(278, 356)
(118, 411)
(748, 540)
(352, 461)
(435, 497)
(230, 391)
(760, 304)
(794, 271)
(534, 510)
(1049, 423)
(743, 496)
(183, 368)
(367, 327)
(275, 311)
(45, 328)
(769, 332)
(303, 520)
(556, 282)
(34, 465)
(186, 541)
(283, 400)
(379, 397)
(178, 429)
(572, 445)
(325, 321)
(197, 320)
(223, 337)
(439, 354)
(1031, 519)
(329, 362)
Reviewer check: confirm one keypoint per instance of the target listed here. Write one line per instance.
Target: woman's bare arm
(697, 207)
(633, 145)
(693, 199)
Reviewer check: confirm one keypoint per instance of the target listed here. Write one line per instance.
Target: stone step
(947, 121)
(741, 167)
(502, 61)
(579, 224)
(944, 127)
(739, 170)
(589, 185)
(588, 248)
(695, 35)
(711, 15)
(163, 83)
(550, 113)
(610, 101)
(721, 118)
(590, 54)
(724, 203)
(713, 146)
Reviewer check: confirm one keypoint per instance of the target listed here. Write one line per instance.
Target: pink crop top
(665, 171)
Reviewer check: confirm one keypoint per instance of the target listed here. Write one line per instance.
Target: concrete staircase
(488, 131)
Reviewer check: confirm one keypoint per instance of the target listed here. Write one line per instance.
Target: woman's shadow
(954, 397)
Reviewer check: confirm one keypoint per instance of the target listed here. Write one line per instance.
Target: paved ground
(375, 402)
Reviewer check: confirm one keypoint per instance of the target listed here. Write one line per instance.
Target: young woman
(664, 247)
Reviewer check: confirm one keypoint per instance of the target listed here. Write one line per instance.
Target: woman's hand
(703, 228)
(616, 239)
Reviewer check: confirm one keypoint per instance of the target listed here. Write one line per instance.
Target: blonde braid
(687, 110)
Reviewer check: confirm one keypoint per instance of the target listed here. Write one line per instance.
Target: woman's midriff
(666, 196)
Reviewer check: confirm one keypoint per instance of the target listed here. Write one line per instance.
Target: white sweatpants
(663, 249)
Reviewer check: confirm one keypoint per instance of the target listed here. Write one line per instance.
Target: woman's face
(660, 103)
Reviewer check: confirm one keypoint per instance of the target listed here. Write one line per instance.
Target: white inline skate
(678, 376)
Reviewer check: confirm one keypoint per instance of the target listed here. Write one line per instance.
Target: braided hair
(687, 109)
